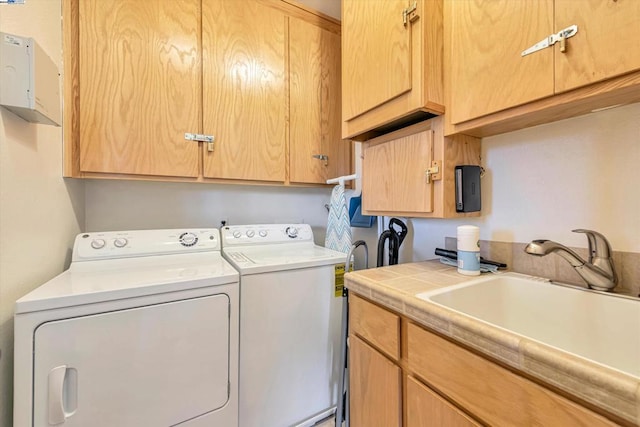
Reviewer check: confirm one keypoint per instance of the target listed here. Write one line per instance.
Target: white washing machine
(290, 315)
(142, 330)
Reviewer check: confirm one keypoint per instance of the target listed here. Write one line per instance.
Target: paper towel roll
(469, 250)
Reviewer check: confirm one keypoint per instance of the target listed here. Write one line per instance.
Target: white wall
(328, 7)
(40, 213)
(121, 205)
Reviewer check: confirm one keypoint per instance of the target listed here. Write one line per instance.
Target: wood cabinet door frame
(376, 45)
(244, 90)
(393, 171)
(487, 72)
(605, 46)
(375, 387)
(135, 88)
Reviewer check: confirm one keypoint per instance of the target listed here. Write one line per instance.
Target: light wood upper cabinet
(492, 88)
(317, 152)
(376, 48)
(607, 43)
(395, 174)
(394, 166)
(262, 77)
(244, 90)
(488, 73)
(139, 91)
(391, 67)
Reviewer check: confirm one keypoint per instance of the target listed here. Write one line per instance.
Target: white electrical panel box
(29, 80)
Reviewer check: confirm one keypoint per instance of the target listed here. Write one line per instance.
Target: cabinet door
(244, 90)
(488, 73)
(377, 54)
(139, 86)
(374, 387)
(393, 174)
(425, 408)
(314, 104)
(606, 45)
(495, 395)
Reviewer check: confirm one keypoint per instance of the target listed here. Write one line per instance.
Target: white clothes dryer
(290, 316)
(141, 330)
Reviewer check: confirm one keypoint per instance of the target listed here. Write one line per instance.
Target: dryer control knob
(98, 243)
(263, 233)
(251, 233)
(188, 239)
(237, 234)
(292, 232)
(120, 242)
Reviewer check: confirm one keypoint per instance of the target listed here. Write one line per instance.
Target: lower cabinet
(375, 378)
(375, 385)
(432, 381)
(425, 408)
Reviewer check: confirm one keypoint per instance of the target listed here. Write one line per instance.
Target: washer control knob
(98, 243)
(292, 232)
(237, 234)
(120, 242)
(263, 233)
(188, 239)
(251, 233)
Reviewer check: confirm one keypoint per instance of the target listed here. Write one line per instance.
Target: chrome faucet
(598, 271)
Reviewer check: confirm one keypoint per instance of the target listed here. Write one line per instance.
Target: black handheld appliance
(395, 240)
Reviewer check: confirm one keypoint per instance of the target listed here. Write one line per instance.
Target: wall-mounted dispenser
(468, 188)
(29, 80)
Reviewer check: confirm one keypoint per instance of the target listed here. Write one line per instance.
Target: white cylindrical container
(469, 250)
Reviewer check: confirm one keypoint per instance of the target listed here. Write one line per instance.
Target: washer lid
(106, 280)
(267, 258)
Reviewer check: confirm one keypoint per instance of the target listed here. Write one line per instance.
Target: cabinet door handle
(561, 37)
(322, 157)
(209, 139)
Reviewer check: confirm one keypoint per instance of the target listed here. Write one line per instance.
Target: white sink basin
(602, 328)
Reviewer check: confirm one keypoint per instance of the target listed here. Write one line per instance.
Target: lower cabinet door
(425, 408)
(374, 387)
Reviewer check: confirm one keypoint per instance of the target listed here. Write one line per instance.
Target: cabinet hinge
(410, 14)
(198, 137)
(434, 173)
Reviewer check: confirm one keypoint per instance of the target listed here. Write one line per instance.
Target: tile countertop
(395, 287)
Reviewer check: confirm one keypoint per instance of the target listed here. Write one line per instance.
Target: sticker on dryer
(339, 279)
(339, 282)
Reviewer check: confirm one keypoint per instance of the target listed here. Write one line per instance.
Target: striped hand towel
(338, 228)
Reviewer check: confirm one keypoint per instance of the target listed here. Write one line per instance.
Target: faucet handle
(598, 245)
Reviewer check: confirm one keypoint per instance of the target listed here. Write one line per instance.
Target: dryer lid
(106, 280)
(268, 258)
